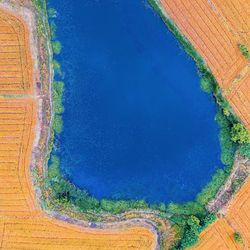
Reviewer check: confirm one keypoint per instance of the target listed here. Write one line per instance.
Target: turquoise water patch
(136, 124)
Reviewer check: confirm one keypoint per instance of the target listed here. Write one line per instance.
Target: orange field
(15, 59)
(215, 28)
(239, 213)
(218, 236)
(237, 219)
(23, 225)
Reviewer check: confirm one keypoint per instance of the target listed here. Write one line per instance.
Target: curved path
(23, 225)
(215, 28)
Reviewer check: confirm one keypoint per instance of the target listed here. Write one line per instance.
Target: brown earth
(23, 225)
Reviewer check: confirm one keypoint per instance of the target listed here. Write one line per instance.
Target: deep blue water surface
(136, 124)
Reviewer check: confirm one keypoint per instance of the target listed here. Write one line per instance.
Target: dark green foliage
(56, 47)
(58, 89)
(238, 238)
(244, 51)
(245, 150)
(191, 235)
(227, 145)
(208, 220)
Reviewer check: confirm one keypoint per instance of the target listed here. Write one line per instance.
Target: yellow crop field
(239, 213)
(23, 225)
(16, 137)
(218, 236)
(15, 58)
(216, 28)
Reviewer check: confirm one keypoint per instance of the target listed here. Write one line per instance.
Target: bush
(238, 238)
(209, 219)
(57, 124)
(58, 89)
(244, 51)
(207, 85)
(56, 67)
(245, 150)
(56, 47)
(191, 235)
(227, 145)
(186, 209)
(240, 134)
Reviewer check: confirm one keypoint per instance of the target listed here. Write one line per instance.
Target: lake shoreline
(41, 144)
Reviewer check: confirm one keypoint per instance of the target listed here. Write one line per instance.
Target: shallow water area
(136, 124)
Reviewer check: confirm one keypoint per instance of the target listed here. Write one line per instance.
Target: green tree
(238, 238)
(240, 134)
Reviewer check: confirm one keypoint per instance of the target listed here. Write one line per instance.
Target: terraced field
(216, 28)
(238, 215)
(17, 120)
(218, 236)
(23, 225)
(15, 59)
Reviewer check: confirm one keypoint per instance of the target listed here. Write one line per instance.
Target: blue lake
(136, 124)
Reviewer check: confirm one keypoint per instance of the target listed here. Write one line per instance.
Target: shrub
(244, 51)
(56, 47)
(238, 238)
(209, 219)
(58, 89)
(207, 85)
(227, 145)
(190, 238)
(57, 124)
(57, 67)
(240, 134)
(245, 150)
(191, 235)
